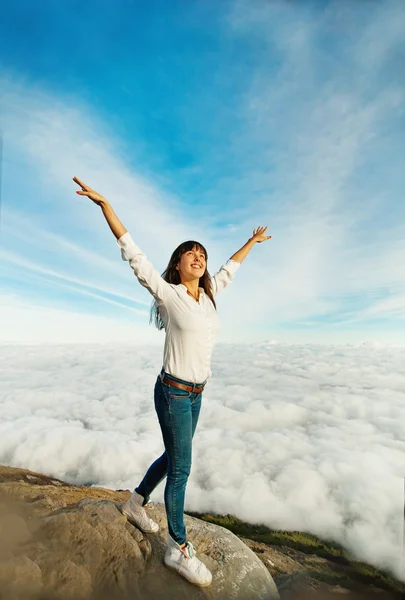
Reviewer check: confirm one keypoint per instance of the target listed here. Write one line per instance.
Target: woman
(185, 307)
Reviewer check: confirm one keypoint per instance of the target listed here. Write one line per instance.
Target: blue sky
(203, 120)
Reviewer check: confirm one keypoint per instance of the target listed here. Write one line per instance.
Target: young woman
(185, 307)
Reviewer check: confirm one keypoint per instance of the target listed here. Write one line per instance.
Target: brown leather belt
(197, 388)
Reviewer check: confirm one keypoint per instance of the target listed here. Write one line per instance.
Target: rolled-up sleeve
(224, 276)
(144, 271)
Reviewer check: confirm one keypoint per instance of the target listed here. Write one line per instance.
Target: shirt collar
(183, 286)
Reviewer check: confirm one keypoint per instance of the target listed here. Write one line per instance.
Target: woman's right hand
(92, 194)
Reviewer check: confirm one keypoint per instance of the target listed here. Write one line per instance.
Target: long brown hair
(171, 275)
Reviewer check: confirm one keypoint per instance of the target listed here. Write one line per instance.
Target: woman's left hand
(258, 235)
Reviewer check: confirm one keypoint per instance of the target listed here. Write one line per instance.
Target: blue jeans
(178, 412)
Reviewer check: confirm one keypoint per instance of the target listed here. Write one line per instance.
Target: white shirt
(191, 327)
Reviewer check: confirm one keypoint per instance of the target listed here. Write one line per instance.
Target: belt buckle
(193, 386)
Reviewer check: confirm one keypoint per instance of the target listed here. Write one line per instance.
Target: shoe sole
(185, 577)
(135, 524)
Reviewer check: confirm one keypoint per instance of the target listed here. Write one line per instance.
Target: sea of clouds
(306, 437)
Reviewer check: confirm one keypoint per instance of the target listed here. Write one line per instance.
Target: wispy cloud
(50, 232)
(23, 266)
(320, 125)
(25, 321)
(315, 154)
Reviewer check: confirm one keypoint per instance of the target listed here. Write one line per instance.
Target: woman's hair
(172, 275)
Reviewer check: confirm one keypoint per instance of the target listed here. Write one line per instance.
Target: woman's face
(192, 264)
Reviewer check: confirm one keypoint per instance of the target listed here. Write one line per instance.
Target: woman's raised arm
(146, 274)
(113, 221)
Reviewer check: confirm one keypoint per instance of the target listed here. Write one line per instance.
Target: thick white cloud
(293, 436)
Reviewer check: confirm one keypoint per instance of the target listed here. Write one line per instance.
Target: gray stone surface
(237, 572)
(88, 550)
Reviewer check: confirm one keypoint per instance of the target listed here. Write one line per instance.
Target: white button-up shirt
(191, 327)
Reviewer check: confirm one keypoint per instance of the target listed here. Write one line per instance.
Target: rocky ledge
(60, 542)
(65, 542)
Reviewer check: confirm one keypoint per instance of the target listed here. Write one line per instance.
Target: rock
(20, 577)
(237, 572)
(73, 547)
(306, 576)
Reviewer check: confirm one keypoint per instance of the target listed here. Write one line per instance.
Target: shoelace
(198, 565)
(189, 550)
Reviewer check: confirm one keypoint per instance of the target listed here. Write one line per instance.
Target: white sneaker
(186, 563)
(136, 514)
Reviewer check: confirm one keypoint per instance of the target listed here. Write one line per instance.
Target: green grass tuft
(354, 571)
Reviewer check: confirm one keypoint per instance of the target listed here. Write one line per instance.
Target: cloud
(323, 127)
(315, 155)
(55, 240)
(28, 266)
(58, 138)
(300, 437)
(27, 322)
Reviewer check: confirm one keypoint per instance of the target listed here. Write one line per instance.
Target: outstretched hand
(258, 235)
(90, 193)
